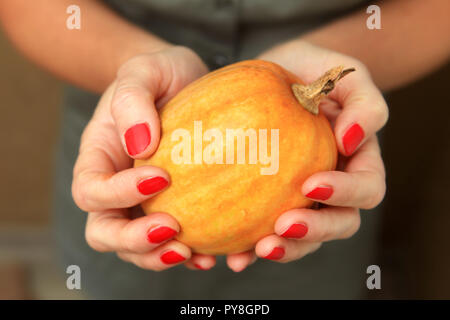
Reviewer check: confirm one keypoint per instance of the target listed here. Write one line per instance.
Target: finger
(201, 262)
(279, 249)
(362, 186)
(141, 82)
(99, 190)
(364, 110)
(96, 185)
(325, 224)
(239, 261)
(163, 257)
(112, 230)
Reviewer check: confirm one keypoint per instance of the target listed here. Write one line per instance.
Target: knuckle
(377, 197)
(371, 203)
(354, 226)
(82, 192)
(132, 64)
(323, 234)
(374, 201)
(127, 240)
(348, 197)
(123, 99)
(93, 240)
(125, 67)
(381, 112)
(142, 66)
(351, 189)
(122, 195)
(80, 196)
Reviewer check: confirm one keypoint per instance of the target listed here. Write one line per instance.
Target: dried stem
(309, 96)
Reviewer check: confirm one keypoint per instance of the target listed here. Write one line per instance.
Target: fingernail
(152, 185)
(321, 193)
(160, 234)
(276, 254)
(171, 257)
(137, 138)
(199, 266)
(352, 138)
(296, 231)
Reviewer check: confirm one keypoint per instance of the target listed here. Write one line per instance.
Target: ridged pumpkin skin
(227, 208)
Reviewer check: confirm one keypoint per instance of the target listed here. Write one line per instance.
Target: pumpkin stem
(309, 96)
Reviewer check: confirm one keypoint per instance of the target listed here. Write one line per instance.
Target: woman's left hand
(356, 110)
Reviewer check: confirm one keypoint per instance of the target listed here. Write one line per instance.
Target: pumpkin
(226, 196)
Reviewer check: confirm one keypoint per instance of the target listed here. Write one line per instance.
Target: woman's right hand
(125, 126)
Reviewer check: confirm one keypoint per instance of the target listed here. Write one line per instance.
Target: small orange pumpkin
(222, 204)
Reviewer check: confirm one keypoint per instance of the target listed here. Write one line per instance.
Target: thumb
(140, 82)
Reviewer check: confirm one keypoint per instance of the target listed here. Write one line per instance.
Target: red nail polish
(137, 138)
(296, 231)
(320, 193)
(160, 234)
(171, 257)
(352, 138)
(276, 254)
(152, 185)
(199, 266)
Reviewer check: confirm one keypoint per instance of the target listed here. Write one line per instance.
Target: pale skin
(139, 72)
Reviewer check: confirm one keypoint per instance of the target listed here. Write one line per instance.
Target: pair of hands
(125, 126)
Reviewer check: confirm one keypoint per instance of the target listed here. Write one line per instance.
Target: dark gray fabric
(224, 31)
(221, 32)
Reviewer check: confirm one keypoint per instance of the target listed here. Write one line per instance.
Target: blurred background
(414, 253)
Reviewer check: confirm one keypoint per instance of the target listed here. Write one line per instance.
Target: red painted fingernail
(320, 193)
(296, 231)
(276, 254)
(171, 257)
(137, 138)
(352, 138)
(199, 266)
(160, 234)
(152, 185)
